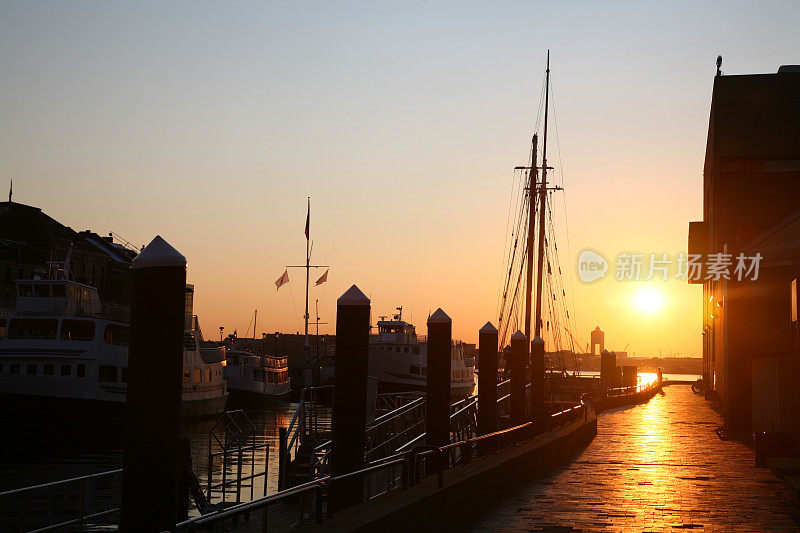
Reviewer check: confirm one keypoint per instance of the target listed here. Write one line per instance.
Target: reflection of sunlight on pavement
(652, 466)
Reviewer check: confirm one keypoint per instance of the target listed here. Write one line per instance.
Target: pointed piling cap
(159, 253)
(488, 328)
(538, 340)
(605, 352)
(439, 317)
(353, 296)
(518, 335)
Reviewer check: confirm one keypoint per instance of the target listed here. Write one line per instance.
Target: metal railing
(82, 514)
(394, 472)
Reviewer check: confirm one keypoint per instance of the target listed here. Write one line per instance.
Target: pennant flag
(308, 218)
(283, 279)
(322, 278)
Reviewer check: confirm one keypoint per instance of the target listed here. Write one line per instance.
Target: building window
(107, 374)
(32, 328)
(119, 335)
(31, 370)
(66, 370)
(186, 376)
(80, 370)
(48, 370)
(77, 330)
(15, 368)
(1, 369)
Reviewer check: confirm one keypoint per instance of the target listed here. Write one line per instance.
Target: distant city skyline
(210, 126)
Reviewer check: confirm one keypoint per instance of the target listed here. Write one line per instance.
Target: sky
(210, 123)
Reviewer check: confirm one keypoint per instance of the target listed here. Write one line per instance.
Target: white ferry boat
(253, 378)
(398, 358)
(64, 356)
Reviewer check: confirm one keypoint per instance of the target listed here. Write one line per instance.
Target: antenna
(719, 65)
(10, 190)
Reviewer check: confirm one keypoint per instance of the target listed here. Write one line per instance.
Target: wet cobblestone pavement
(659, 466)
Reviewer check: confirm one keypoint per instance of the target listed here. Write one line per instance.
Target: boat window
(124, 374)
(189, 343)
(415, 350)
(107, 374)
(414, 369)
(25, 290)
(80, 370)
(405, 349)
(2, 327)
(186, 376)
(31, 370)
(72, 293)
(15, 368)
(1, 369)
(207, 375)
(66, 370)
(260, 374)
(48, 370)
(116, 334)
(41, 290)
(424, 370)
(77, 330)
(32, 328)
(58, 291)
(196, 375)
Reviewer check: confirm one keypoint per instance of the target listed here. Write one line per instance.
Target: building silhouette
(751, 186)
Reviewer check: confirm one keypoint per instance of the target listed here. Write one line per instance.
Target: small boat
(258, 379)
(398, 358)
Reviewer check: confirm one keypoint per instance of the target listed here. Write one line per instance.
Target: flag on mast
(322, 279)
(308, 217)
(282, 280)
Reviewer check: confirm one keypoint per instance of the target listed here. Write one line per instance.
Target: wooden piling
(437, 402)
(538, 412)
(149, 499)
(519, 358)
(487, 383)
(350, 397)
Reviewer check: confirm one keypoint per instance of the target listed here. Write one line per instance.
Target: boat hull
(240, 398)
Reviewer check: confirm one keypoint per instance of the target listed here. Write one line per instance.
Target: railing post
(149, 498)
(539, 414)
(487, 385)
(282, 458)
(82, 511)
(350, 397)
(519, 357)
(318, 504)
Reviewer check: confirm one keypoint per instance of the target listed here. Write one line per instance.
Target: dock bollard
(437, 402)
(539, 415)
(519, 358)
(349, 417)
(149, 498)
(487, 385)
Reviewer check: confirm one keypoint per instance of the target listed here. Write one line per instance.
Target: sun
(649, 301)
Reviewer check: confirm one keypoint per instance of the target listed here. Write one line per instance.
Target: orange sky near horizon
(210, 126)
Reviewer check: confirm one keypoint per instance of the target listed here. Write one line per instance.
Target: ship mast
(532, 179)
(542, 207)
